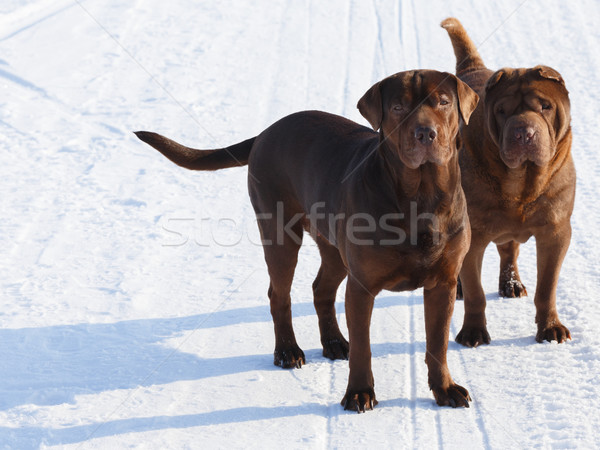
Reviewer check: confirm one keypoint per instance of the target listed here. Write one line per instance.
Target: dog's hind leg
(331, 273)
(474, 331)
(281, 246)
(510, 284)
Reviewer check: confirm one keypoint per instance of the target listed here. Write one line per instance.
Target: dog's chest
(502, 221)
(409, 268)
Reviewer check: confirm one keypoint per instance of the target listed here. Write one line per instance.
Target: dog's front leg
(551, 250)
(360, 394)
(439, 304)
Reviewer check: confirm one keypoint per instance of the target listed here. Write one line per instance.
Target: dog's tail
(467, 56)
(233, 156)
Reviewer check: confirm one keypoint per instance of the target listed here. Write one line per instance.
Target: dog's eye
(500, 110)
(398, 108)
(444, 102)
(546, 106)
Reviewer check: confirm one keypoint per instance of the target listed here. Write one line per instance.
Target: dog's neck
(428, 182)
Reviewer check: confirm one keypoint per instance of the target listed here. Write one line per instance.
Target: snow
(133, 308)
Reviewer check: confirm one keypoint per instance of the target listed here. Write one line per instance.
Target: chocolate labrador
(519, 179)
(386, 209)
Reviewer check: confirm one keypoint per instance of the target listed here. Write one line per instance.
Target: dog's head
(527, 113)
(418, 112)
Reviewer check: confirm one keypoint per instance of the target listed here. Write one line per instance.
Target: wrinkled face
(527, 114)
(418, 113)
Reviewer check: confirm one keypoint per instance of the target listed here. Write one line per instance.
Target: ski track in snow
(133, 316)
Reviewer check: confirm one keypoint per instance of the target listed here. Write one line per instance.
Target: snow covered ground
(133, 292)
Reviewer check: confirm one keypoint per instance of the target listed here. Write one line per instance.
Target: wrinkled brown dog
(386, 209)
(519, 180)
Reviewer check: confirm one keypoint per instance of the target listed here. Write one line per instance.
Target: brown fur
(314, 158)
(519, 179)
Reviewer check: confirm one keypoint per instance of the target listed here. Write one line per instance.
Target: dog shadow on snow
(52, 365)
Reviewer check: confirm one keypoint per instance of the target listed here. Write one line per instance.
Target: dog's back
(308, 146)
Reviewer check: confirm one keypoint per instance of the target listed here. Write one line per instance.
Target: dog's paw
(291, 357)
(556, 332)
(359, 401)
(336, 348)
(455, 396)
(473, 336)
(512, 288)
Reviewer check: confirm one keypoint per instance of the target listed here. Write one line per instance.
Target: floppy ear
(550, 74)
(563, 105)
(370, 106)
(495, 79)
(490, 121)
(467, 99)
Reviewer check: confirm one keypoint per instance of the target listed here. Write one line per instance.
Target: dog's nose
(425, 135)
(524, 135)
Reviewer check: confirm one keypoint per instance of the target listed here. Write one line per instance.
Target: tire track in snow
(309, 11)
(408, 37)
(413, 38)
(413, 367)
(388, 45)
(267, 110)
(415, 21)
(378, 59)
(557, 421)
(478, 421)
(104, 91)
(346, 84)
(484, 419)
(45, 224)
(183, 337)
(330, 410)
(400, 22)
(23, 83)
(99, 142)
(279, 78)
(40, 230)
(585, 136)
(333, 408)
(412, 305)
(31, 19)
(38, 224)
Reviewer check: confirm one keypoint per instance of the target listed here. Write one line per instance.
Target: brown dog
(387, 209)
(519, 180)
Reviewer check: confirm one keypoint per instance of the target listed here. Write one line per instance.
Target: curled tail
(467, 56)
(233, 156)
